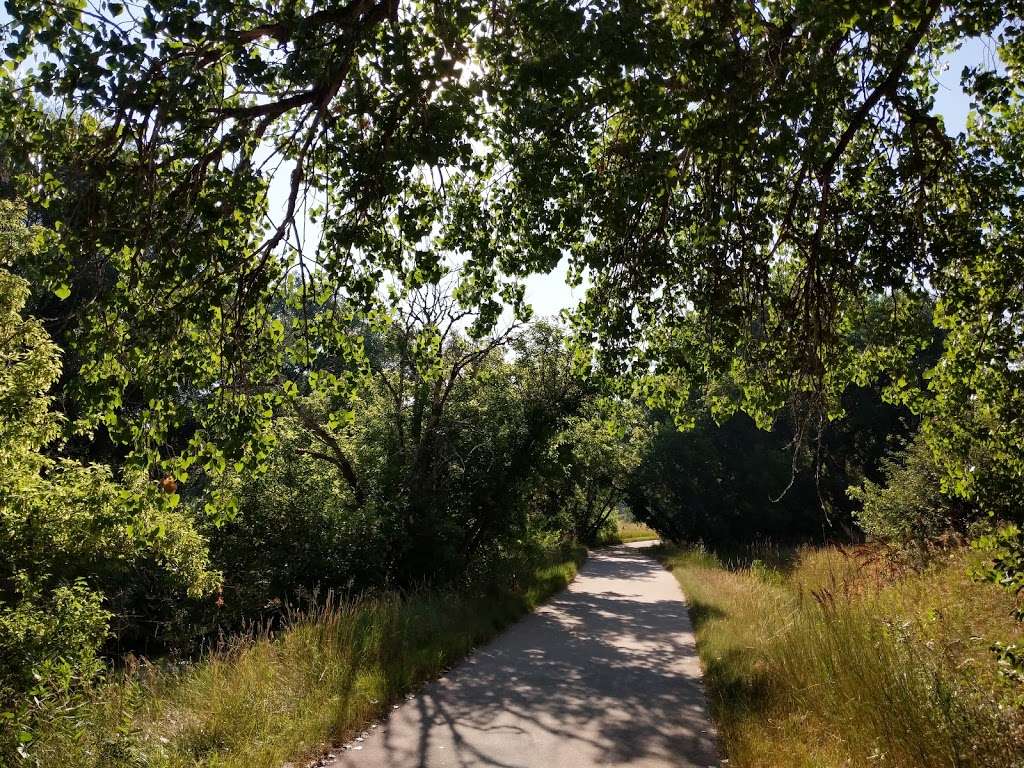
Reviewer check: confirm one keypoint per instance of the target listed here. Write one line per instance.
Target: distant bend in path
(605, 674)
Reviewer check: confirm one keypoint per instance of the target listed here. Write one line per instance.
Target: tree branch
(337, 456)
(887, 85)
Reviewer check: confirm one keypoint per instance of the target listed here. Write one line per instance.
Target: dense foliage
(430, 467)
(910, 507)
(419, 485)
(87, 560)
(726, 483)
(263, 330)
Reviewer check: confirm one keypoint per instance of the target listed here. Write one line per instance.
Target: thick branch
(273, 109)
(284, 32)
(337, 455)
(887, 85)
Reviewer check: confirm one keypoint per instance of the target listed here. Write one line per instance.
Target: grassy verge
(823, 658)
(266, 701)
(629, 531)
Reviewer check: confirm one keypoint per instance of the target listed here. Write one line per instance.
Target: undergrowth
(267, 698)
(626, 531)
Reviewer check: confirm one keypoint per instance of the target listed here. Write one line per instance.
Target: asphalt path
(604, 674)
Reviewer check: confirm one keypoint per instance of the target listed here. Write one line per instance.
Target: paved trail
(605, 674)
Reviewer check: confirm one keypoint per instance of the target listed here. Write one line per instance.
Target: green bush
(452, 484)
(909, 508)
(724, 483)
(87, 560)
(297, 530)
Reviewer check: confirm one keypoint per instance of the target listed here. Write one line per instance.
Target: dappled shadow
(604, 674)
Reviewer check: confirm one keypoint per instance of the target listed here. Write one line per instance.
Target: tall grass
(269, 698)
(626, 531)
(633, 531)
(824, 658)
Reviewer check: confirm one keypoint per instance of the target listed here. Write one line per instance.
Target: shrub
(727, 482)
(909, 508)
(83, 555)
(297, 530)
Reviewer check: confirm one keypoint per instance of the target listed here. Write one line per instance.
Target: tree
(735, 180)
(83, 558)
(725, 483)
(437, 469)
(596, 454)
(739, 182)
(161, 177)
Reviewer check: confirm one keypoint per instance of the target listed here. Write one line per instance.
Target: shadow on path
(606, 673)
